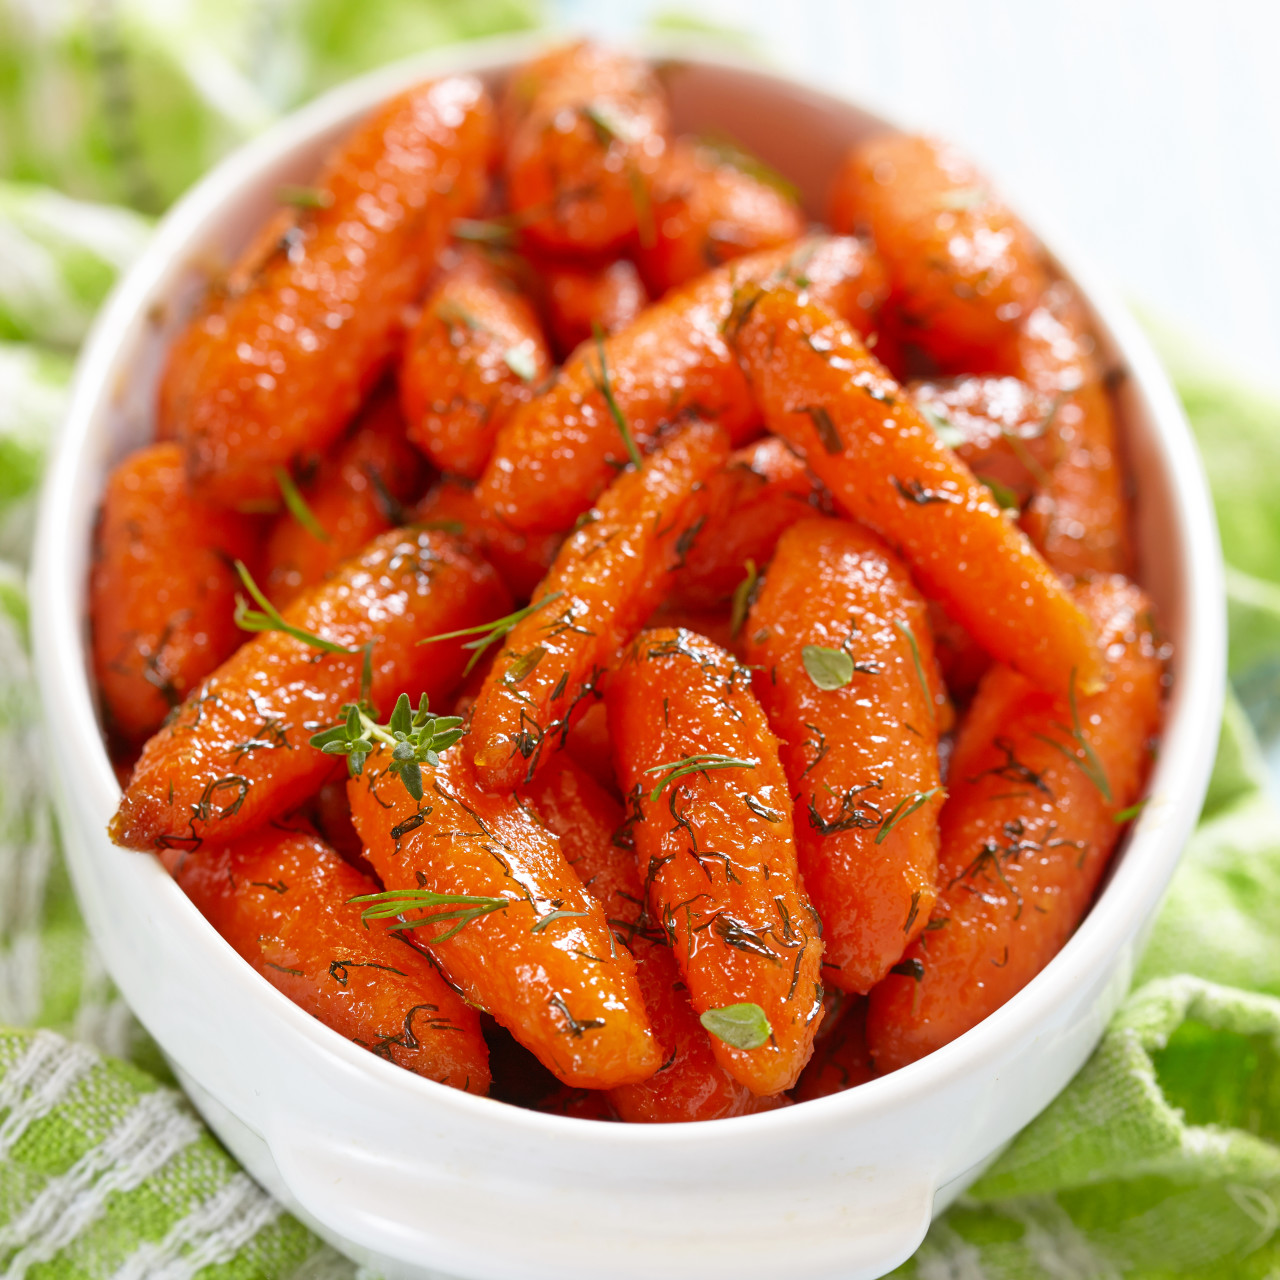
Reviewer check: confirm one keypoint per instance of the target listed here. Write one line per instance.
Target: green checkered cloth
(1161, 1159)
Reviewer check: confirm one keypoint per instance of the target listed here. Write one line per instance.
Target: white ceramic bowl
(417, 1179)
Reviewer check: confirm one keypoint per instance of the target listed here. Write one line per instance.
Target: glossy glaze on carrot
(1027, 832)
(861, 435)
(544, 963)
(357, 493)
(162, 589)
(269, 373)
(237, 753)
(476, 352)
(710, 207)
(690, 1084)
(861, 759)
(558, 452)
(606, 580)
(282, 898)
(583, 128)
(964, 269)
(716, 848)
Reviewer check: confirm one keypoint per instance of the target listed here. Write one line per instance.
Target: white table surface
(1150, 129)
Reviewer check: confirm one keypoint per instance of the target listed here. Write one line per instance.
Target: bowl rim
(1137, 882)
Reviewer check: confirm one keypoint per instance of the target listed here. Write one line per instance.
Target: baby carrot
(357, 493)
(606, 580)
(690, 1084)
(162, 590)
(528, 944)
(237, 753)
(475, 353)
(273, 371)
(765, 489)
(860, 434)
(555, 454)
(521, 559)
(1080, 519)
(839, 637)
(578, 298)
(964, 269)
(711, 820)
(282, 899)
(712, 204)
(583, 128)
(1038, 785)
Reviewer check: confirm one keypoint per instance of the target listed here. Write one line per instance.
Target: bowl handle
(423, 1219)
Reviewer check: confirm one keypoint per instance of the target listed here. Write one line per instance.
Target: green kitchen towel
(1161, 1159)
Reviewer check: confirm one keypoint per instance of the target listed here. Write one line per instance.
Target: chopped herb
(1131, 812)
(523, 664)
(488, 633)
(541, 923)
(946, 430)
(415, 738)
(726, 151)
(602, 384)
(827, 668)
(395, 902)
(823, 425)
(1084, 757)
(305, 197)
(1005, 497)
(761, 810)
(743, 597)
(297, 505)
(912, 968)
(744, 1026)
(495, 231)
(918, 661)
(455, 527)
(903, 810)
(267, 618)
(521, 362)
(604, 120)
(913, 491)
(673, 770)
(915, 911)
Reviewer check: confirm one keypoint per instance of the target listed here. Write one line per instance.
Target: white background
(1148, 129)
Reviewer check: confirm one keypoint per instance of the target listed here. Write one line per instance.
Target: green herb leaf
(1126, 815)
(395, 902)
(602, 384)
(488, 633)
(904, 809)
(606, 122)
(521, 362)
(944, 428)
(524, 664)
(674, 770)
(269, 619)
(305, 197)
(297, 505)
(827, 668)
(1005, 497)
(744, 1026)
(743, 596)
(493, 231)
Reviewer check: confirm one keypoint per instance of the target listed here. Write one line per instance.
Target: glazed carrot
(272, 372)
(690, 1084)
(716, 850)
(840, 640)
(476, 352)
(605, 582)
(521, 559)
(840, 1059)
(765, 489)
(1036, 788)
(964, 269)
(282, 899)
(861, 435)
(162, 590)
(539, 956)
(357, 493)
(237, 753)
(583, 128)
(1080, 520)
(999, 428)
(558, 452)
(712, 204)
(578, 298)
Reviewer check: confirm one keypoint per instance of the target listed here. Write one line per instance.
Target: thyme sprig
(415, 738)
(395, 902)
(674, 770)
(904, 809)
(600, 380)
(744, 1026)
(297, 505)
(1083, 757)
(267, 618)
(488, 633)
